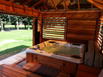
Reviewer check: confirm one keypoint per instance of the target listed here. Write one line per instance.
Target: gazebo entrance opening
(15, 34)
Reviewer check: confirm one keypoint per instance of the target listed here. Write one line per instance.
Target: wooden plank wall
(98, 50)
(81, 25)
(82, 28)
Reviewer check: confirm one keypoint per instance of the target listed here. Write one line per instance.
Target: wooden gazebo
(78, 22)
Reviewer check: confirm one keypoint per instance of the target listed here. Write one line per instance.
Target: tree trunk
(25, 26)
(15, 26)
(2, 26)
(28, 27)
(2, 29)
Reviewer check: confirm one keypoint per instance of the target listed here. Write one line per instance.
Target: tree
(27, 21)
(3, 20)
(14, 20)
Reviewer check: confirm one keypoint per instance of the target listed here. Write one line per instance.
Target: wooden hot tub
(60, 50)
(54, 58)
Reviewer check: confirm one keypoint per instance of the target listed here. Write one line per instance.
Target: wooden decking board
(12, 71)
(14, 59)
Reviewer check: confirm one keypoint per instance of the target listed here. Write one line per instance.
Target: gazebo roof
(11, 7)
(27, 7)
(32, 7)
(97, 3)
(43, 4)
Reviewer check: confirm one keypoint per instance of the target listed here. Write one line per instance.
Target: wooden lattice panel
(100, 38)
(54, 27)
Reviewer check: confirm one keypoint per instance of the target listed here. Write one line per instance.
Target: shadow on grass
(13, 50)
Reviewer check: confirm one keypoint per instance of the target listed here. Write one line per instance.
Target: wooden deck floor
(14, 59)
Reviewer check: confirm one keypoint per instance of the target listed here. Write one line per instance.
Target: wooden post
(78, 4)
(36, 34)
(33, 32)
(41, 28)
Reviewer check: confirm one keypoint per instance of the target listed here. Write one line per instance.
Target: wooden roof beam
(53, 2)
(27, 2)
(66, 4)
(12, 0)
(97, 3)
(39, 2)
(12, 8)
(60, 2)
(21, 1)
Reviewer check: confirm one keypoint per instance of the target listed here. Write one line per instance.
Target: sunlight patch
(7, 41)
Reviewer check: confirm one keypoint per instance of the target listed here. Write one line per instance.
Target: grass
(23, 39)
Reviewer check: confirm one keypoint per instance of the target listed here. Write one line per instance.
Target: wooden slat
(29, 57)
(82, 22)
(52, 29)
(99, 40)
(82, 27)
(50, 61)
(81, 14)
(81, 31)
(39, 2)
(48, 27)
(69, 68)
(80, 37)
(13, 71)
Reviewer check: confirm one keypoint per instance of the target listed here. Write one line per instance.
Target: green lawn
(15, 41)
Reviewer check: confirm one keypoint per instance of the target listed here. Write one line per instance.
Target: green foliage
(14, 19)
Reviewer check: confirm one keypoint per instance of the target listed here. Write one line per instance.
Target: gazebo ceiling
(27, 7)
(97, 3)
(44, 4)
(54, 4)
